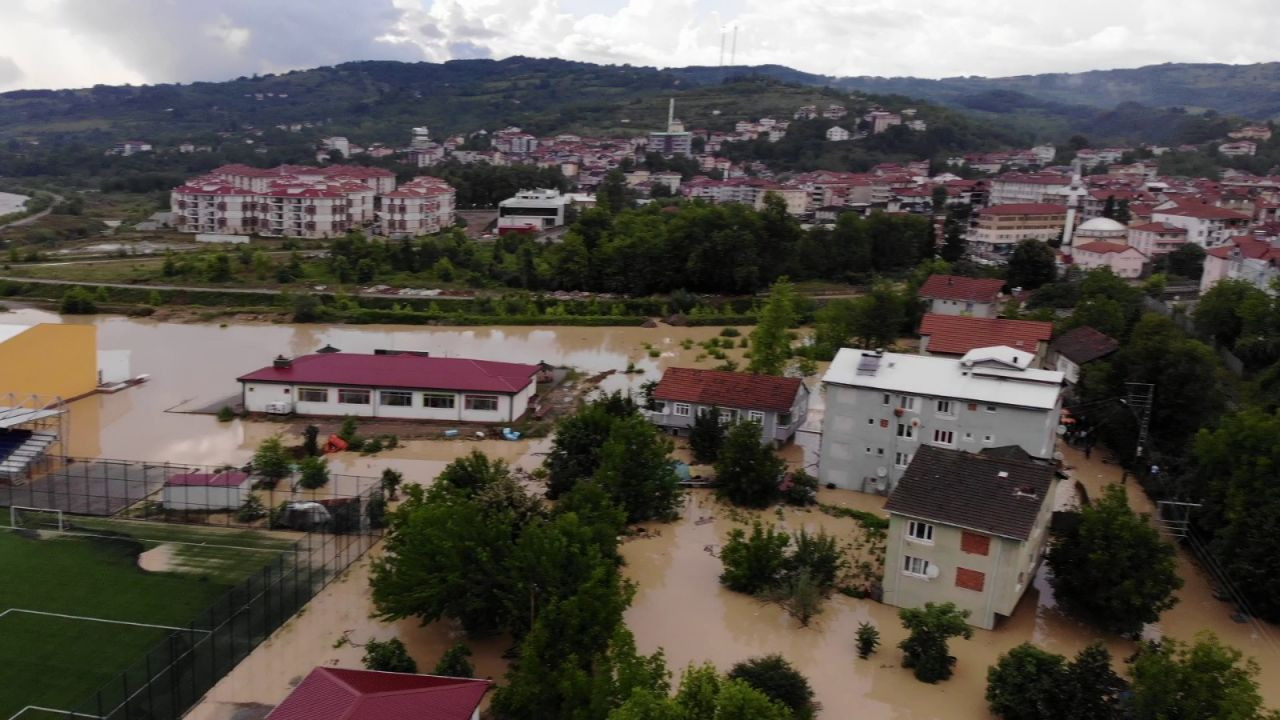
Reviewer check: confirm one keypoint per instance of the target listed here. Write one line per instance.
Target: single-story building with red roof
(960, 295)
(206, 491)
(341, 694)
(779, 404)
(401, 386)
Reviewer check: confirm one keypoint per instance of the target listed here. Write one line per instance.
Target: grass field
(76, 609)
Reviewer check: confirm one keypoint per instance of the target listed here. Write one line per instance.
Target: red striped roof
(413, 372)
(1025, 209)
(728, 389)
(958, 334)
(958, 287)
(338, 694)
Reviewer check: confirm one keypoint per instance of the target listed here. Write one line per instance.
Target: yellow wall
(50, 360)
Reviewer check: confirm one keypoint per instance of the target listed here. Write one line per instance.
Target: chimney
(282, 363)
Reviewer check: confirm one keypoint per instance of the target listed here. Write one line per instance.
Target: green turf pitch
(59, 662)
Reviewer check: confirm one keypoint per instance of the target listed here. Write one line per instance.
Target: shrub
(730, 332)
(454, 663)
(250, 510)
(778, 679)
(925, 649)
(315, 473)
(78, 301)
(388, 656)
(226, 414)
(868, 639)
(754, 563)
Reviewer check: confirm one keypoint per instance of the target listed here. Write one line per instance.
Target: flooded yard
(679, 605)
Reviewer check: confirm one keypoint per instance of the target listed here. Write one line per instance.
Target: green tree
(925, 649)
(1109, 207)
(1028, 683)
(771, 338)
(1031, 265)
(756, 562)
(819, 555)
(1094, 690)
(1204, 681)
(1186, 262)
(390, 482)
(1218, 313)
(739, 700)
(455, 663)
(799, 595)
(314, 473)
(388, 656)
(636, 470)
(271, 463)
(1112, 567)
(707, 436)
(578, 442)
(868, 639)
(311, 440)
(699, 690)
(779, 680)
(938, 199)
(306, 308)
(611, 196)
(474, 472)
(747, 470)
(77, 301)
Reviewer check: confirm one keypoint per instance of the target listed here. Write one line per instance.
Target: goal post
(34, 518)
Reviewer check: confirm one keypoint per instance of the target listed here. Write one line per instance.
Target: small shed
(206, 491)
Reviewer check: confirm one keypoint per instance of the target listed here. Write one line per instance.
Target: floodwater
(9, 202)
(679, 605)
(158, 559)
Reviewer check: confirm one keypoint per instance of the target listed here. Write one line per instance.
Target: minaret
(671, 115)
(1074, 193)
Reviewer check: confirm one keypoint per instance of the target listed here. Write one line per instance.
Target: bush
(315, 473)
(78, 301)
(311, 440)
(754, 563)
(801, 491)
(925, 649)
(730, 332)
(271, 463)
(454, 663)
(250, 510)
(372, 445)
(868, 639)
(391, 480)
(226, 414)
(779, 680)
(388, 656)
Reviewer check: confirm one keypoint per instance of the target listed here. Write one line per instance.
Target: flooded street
(679, 604)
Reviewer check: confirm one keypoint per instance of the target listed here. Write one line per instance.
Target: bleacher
(20, 448)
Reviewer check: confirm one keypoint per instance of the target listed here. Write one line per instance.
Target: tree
(1186, 262)
(390, 482)
(1218, 315)
(1204, 681)
(1027, 683)
(925, 649)
(868, 639)
(1031, 265)
(474, 472)
(747, 470)
(636, 470)
(938, 199)
(1109, 207)
(771, 338)
(388, 656)
(756, 562)
(77, 301)
(314, 473)
(1112, 567)
(779, 680)
(454, 663)
(706, 436)
(579, 439)
(271, 463)
(611, 196)
(1094, 690)
(799, 595)
(311, 440)
(738, 700)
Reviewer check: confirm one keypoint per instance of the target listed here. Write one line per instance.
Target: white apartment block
(1013, 188)
(422, 206)
(881, 407)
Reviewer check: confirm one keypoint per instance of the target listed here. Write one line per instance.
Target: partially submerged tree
(388, 656)
(925, 649)
(747, 471)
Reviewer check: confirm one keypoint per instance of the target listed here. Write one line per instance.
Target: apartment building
(881, 408)
(1030, 188)
(1157, 238)
(1206, 225)
(1001, 227)
(421, 206)
(967, 528)
(532, 211)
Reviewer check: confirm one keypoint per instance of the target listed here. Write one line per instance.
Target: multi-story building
(532, 211)
(422, 206)
(130, 147)
(956, 335)
(834, 112)
(969, 529)
(748, 191)
(1001, 227)
(1254, 260)
(881, 120)
(1157, 238)
(1125, 261)
(882, 407)
(1030, 188)
(1206, 225)
(1239, 148)
(779, 404)
(836, 133)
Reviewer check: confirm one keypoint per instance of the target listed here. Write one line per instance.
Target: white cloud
(62, 43)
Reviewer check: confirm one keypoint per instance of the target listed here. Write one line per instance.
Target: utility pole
(722, 46)
(1140, 399)
(733, 52)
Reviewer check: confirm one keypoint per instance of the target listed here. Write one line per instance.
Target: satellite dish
(915, 422)
(882, 471)
(1062, 430)
(931, 572)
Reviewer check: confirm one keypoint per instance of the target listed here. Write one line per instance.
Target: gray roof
(953, 487)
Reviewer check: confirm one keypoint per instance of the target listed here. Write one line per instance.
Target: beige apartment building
(1001, 227)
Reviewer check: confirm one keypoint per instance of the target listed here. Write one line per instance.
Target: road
(242, 291)
(32, 218)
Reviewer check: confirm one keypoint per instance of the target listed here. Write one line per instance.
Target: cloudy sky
(76, 43)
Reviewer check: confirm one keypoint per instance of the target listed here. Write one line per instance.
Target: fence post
(151, 702)
(124, 680)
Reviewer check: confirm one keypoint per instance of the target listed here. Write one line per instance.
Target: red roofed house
(206, 491)
(1077, 347)
(779, 404)
(1206, 225)
(1001, 227)
(957, 295)
(340, 694)
(957, 334)
(1125, 261)
(1251, 259)
(405, 386)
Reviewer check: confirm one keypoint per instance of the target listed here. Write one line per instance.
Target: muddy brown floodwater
(679, 605)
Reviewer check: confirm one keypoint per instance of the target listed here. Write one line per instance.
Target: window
(919, 567)
(683, 409)
(906, 431)
(659, 407)
(396, 398)
(970, 579)
(990, 408)
(885, 400)
(968, 437)
(974, 544)
(946, 407)
(784, 418)
(880, 452)
(988, 439)
(944, 437)
(705, 410)
(901, 459)
(756, 416)
(920, 531)
(481, 402)
(728, 416)
(313, 395)
(907, 402)
(438, 400)
(347, 396)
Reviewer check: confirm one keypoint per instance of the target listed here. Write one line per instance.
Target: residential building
(1075, 348)
(422, 206)
(340, 694)
(969, 529)
(421, 138)
(675, 140)
(1206, 225)
(1044, 154)
(834, 112)
(806, 112)
(1021, 188)
(1253, 260)
(1156, 238)
(1251, 132)
(130, 147)
(882, 407)
(779, 404)
(1001, 227)
(1123, 260)
(958, 295)
(835, 133)
(532, 211)
(403, 386)
(957, 335)
(1239, 148)
(881, 120)
(337, 143)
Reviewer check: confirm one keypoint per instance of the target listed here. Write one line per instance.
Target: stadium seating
(20, 448)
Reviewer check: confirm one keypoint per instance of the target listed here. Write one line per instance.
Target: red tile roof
(1025, 209)
(400, 371)
(1159, 227)
(1083, 344)
(958, 334)
(1203, 211)
(728, 389)
(956, 287)
(1105, 248)
(337, 694)
(222, 479)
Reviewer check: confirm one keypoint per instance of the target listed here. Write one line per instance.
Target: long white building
(881, 407)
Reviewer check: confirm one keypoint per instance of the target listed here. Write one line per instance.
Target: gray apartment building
(967, 528)
(779, 404)
(882, 407)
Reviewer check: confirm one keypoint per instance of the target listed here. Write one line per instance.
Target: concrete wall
(256, 397)
(857, 419)
(51, 360)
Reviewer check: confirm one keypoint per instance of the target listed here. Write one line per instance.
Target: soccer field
(76, 609)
